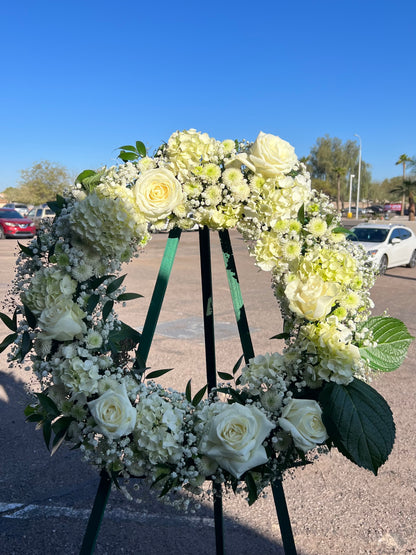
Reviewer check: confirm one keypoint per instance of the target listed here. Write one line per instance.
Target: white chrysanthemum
(239, 190)
(317, 226)
(350, 301)
(82, 271)
(211, 172)
(232, 177)
(292, 250)
(228, 146)
(212, 195)
(93, 340)
(192, 189)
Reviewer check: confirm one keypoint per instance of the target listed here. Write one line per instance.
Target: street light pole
(359, 178)
(349, 201)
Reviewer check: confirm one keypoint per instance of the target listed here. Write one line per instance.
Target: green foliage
(132, 152)
(331, 162)
(40, 183)
(393, 341)
(359, 422)
(47, 417)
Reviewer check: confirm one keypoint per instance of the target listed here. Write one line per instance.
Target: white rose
(312, 299)
(302, 418)
(271, 155)
(113, 412)
(62, 322)
(235, 437)
(157, 193)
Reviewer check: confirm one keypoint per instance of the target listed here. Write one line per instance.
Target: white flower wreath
(95, 395)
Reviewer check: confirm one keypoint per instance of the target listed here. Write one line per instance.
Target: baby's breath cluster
(95, 392)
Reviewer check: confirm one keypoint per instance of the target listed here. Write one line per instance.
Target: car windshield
(368, 235)
(12, 214)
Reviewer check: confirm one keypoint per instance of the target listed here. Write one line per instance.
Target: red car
(13, 224)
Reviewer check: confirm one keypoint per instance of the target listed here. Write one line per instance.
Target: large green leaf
(359, 422)
(393, 341)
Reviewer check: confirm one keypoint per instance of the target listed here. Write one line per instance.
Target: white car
(388, 245)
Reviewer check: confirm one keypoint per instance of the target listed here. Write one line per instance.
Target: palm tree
(407, 189)
(403, 160)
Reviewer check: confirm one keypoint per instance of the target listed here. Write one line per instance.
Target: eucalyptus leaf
(188, 392)
(359, 423)
(393, 341)
(107, 308)
(11, 324)
(130, 148)
(225, 376)
(92, 303)
(8, 340)
(198, 396)
(26, 250)
(158, 373)
(114, 285)
(47, 432)
(128, 296)
(26, 345)
(237, 364)
(30, 317)
(282, 335)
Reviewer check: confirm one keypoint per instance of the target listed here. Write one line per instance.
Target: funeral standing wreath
(272, 414)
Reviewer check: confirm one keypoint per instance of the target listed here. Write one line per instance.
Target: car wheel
(383, 265)
(412, 261)
(2, 235)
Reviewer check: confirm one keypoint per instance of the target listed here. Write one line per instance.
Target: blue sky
(80, 78)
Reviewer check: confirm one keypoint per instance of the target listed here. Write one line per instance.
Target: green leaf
(283, 335)
(57, 204)
(359, 423)
(48, 405)
(125, 333)
(107, 308)
(84, 175)
(141, 149)
(341, 229)
(26, 250)
(92, 303)
(129, 296)
(47, 432)
(158, 373)
(252, 488)
(301, 214)
(30, 317)
(225, 376)
(188, 393)
(237, 364)
(11, 324)
(26, 345)
(237, 397)
(8, 341)
(114, 285)
(60, 429)
(130, 148)
(126, 156)
(94, 282)
(393, 341)
(198, 396)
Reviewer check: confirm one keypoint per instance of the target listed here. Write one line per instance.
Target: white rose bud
(302, 418)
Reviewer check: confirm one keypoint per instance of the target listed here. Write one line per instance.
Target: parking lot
(334, 506)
